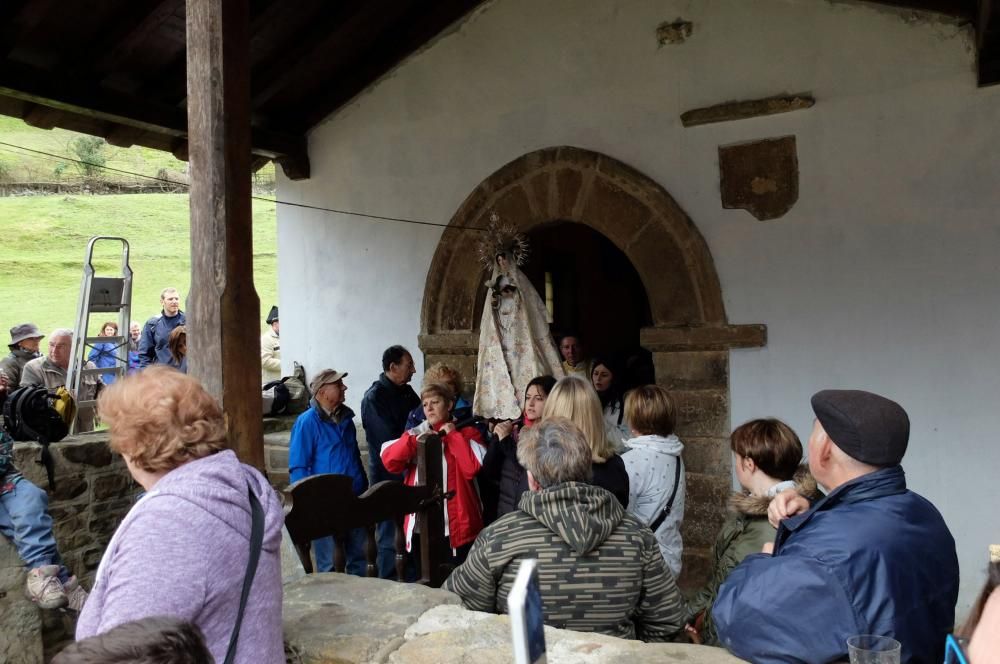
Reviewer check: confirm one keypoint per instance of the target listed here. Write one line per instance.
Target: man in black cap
(24, 341)
(869, 558)
(270, 350)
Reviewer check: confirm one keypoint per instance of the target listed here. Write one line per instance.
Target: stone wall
(93, 492)
(344, 619)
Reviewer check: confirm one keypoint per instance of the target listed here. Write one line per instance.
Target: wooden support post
(223, 307)
(434, 544)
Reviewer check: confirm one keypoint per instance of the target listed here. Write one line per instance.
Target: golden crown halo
(502, 239)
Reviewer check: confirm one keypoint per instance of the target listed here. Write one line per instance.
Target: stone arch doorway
(689, 336)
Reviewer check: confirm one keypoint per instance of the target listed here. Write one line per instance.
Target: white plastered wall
(884, 276)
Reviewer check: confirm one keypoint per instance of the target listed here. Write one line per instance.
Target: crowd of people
(589, 480)
(796, 570)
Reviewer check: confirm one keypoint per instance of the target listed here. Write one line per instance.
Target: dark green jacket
(745, 531)
(599, 568)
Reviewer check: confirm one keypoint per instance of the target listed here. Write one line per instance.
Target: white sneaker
(44, 588)
(76, 596)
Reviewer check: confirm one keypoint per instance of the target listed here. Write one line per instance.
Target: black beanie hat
(868, 427)
(272, 315)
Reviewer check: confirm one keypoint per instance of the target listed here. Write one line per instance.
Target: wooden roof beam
(326, 29)
(381, 57)
(84, 98)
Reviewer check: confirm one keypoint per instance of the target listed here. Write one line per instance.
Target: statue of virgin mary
(515, 344)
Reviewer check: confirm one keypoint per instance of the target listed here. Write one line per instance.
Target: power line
(364, 215)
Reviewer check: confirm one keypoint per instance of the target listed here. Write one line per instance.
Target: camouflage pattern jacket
(599, 568)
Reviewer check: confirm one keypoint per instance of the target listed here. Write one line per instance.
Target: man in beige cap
(325, 440)
(24, 340)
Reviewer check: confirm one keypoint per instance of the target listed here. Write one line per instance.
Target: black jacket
(501, 465)
(613, 476)
(383, 415)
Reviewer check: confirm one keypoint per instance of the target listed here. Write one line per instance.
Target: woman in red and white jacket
(463, 452)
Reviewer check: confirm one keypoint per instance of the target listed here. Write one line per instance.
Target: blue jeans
(24, 518)
(385, 536)
(354, 547)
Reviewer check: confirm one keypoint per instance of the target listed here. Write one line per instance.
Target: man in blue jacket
(156, 332)
(870, 558)
(324, 440)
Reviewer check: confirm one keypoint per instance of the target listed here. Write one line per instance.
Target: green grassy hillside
(44, 239)
(27, 167)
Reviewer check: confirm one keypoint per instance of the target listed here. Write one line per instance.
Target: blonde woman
(574, 399)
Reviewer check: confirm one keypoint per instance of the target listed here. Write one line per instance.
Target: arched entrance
(688, 334)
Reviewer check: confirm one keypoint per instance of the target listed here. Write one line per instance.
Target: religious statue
(514, 340)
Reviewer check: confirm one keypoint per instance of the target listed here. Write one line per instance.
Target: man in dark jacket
(870, 558)
(599, 568)
(24, 341)
(156, 332)
(384, 409)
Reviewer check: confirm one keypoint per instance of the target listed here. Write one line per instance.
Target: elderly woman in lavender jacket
(182, 551)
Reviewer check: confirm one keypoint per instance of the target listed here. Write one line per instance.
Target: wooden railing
(325, 505)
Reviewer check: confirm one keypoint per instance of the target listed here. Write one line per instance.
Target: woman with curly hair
(183, 549)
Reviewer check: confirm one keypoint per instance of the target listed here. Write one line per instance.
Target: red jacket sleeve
(398, 454)
(466, 451)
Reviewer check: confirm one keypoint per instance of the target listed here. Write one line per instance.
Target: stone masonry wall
(93, 492)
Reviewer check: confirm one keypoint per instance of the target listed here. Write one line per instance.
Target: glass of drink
(872, 649)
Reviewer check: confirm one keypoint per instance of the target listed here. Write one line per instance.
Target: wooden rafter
(86, 98)
(412, 32)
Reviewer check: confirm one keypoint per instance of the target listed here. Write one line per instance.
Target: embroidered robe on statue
(513, 349)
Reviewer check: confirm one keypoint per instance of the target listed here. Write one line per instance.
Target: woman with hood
(766, 457)
(183, 549)
(655, 469)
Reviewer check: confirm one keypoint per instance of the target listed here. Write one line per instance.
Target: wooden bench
(325, 505)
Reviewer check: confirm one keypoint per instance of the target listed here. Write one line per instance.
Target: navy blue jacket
(319, 445)
(153, 342)
(870, 558)
(384, 410)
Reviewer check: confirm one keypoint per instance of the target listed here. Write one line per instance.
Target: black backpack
(29, 413)
(279, 397)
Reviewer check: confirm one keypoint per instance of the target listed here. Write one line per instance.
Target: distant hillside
(19, 166)
(44, 239)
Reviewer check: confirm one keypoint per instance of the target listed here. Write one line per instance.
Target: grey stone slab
(451, 634)
(333, 618)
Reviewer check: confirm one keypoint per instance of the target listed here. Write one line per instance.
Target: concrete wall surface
(883, 276)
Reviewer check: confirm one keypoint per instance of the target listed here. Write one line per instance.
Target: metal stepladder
(100, 295)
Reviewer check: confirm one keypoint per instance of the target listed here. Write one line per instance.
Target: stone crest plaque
(761, 177)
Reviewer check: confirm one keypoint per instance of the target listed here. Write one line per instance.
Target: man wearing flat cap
(871, 557)
(24, 341)
(325, 440)
(270, 349)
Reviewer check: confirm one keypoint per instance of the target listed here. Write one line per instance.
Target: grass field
(27, 167)
(44, 239)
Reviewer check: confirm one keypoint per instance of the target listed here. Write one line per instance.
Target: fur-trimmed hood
(744, 503)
